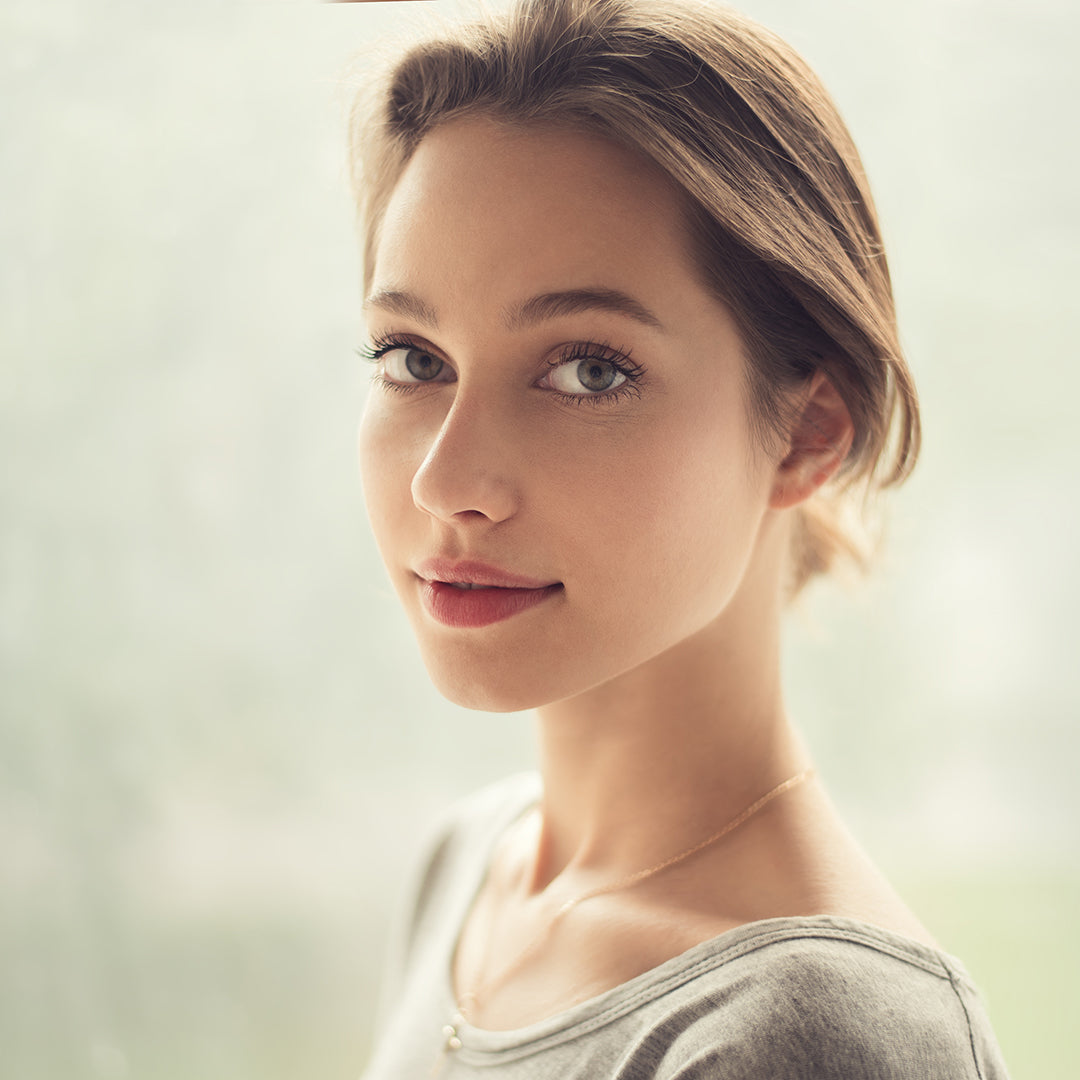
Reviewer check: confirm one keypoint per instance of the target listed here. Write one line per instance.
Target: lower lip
(464, 608)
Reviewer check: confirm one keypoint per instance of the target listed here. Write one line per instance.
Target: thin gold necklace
(451, 1037)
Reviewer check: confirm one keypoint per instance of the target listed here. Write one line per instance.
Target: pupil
(595, 374)
(422, 365)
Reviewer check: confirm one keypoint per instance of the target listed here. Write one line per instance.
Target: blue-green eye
(410, 365)
(589, 376)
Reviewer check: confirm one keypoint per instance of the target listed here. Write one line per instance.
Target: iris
(596, 375)
(422, 365)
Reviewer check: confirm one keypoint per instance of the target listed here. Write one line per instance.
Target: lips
(472, 594)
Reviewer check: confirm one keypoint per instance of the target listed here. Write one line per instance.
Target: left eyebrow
(574, 301)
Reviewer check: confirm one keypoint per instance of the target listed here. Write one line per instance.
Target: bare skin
(655, 518)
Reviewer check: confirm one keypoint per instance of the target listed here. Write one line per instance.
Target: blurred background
(217, 748)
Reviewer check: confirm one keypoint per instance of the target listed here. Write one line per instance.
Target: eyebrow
(403, 303)
(534, 310)
(573, 301)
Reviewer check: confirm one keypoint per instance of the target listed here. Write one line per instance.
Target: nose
(467, 474)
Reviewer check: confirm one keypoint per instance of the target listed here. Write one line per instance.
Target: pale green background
(217, 748)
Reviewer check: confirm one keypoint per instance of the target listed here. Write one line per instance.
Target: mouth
(468, 595)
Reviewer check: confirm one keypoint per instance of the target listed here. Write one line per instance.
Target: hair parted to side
(778, 205)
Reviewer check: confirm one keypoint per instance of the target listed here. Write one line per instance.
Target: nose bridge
(468, 468)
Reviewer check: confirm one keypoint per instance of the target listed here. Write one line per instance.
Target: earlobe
(820, 440)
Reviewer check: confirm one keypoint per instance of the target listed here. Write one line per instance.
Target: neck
(655, 760)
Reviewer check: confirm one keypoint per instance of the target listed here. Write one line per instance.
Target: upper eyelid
(621, 359)
(566, 353)
(384, 343)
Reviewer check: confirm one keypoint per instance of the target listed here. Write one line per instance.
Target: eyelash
(619, 359)
(378, 348)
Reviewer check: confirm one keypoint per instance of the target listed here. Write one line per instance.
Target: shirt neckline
(603, 1008)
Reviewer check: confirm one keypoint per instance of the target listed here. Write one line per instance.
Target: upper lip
(469, 571)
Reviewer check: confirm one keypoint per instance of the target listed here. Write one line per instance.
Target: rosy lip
(468, 571)
(501, 594)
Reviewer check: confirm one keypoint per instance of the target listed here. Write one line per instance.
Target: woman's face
(559, 416)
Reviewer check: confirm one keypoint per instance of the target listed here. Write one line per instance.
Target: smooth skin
(654, 670)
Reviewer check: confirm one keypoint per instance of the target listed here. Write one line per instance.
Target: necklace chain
(469, 999)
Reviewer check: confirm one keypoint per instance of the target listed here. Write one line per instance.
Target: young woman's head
(628, 290)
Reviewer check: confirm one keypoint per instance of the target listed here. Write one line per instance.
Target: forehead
(523, 209)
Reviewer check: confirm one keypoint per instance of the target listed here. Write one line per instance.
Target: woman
(635, 355)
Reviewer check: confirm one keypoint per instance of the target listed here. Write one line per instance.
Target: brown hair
(779, 209)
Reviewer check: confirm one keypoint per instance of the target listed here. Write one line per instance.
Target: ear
(817, 445)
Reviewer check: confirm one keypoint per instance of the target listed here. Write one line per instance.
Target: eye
(590, 371)
(403, 364)
(589, 376)
(410, 365)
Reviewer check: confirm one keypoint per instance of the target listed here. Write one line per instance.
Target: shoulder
(832, 999)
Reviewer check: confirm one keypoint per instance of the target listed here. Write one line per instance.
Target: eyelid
(598, 350)
(577, 352)
(385, 345)
(381, 344)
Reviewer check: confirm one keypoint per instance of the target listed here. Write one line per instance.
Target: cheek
(371, 448)
(670, 511)
(387, 465)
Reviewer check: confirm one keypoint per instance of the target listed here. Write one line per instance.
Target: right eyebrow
(404, 304)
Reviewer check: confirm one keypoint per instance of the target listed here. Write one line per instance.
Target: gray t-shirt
(780, 999)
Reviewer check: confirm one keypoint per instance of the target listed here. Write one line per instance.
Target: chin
(514, 678)
(484, 691)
